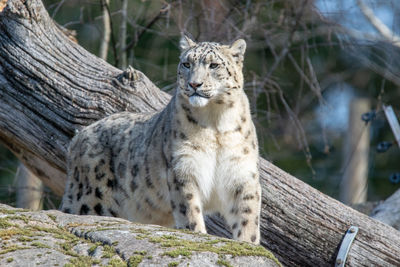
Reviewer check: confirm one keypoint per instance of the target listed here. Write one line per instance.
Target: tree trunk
(354, 185)
(51, 87)
(29, 189)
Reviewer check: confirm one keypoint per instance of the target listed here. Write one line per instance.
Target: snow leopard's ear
(238, 48)
(185, 43)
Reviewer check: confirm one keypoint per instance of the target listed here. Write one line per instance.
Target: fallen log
(50, 87)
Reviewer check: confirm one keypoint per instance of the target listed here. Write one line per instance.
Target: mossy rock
(70, 240)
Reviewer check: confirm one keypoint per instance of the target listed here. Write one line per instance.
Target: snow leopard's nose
(195, 85)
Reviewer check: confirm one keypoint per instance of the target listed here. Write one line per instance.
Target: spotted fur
(197, 156)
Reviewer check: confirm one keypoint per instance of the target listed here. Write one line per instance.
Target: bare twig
(106, 30)
(114, 45)
(163, 11)
(378, 24)
(57, 8)
(122, 35)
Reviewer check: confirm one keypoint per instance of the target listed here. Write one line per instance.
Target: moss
(24, 239)
(140, 252)
(23, 218)
(73, 225)
(178, 252)
(107, 224)
(4, 223)
(40, 245)
(13, 211)
(116, 262)
(141, 231)
(218, 246)
(52, 217)
(135, 260)
(108, 251)
(173, 264)
(58, 233)
(82, 261)
(92, 249)
(12, 231)
(10, 260)
(141, 237)
(66, 248)
(11, 249)
(224, 263)
(149, 257)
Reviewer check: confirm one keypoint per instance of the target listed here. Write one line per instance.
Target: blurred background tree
(306, 63)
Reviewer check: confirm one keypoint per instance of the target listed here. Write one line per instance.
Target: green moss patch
(108, 251)
(52, 217)
(218, 246)
(12, 211)
(82, 261)
(223, 262)
(116, 262)
(4, 223)
(40, 245)
(11, 249)
(93, 248)
(135, 260)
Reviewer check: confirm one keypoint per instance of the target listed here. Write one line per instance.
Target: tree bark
(51, 87)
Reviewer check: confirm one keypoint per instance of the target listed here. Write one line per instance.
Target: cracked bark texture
(50, 87)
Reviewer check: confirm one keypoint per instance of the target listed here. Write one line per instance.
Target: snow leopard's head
(208, 72)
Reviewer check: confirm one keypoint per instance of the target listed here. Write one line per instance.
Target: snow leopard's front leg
(243, 202)
(244, 212)
(186, 201)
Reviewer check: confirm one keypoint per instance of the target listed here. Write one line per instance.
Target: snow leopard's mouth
(200, 95)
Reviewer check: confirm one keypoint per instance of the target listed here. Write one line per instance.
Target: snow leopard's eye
(186, 65)
(214, 65)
